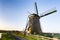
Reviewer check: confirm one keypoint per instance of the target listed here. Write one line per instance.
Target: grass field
(6, 36)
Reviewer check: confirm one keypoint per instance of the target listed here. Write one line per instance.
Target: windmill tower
(33, 25)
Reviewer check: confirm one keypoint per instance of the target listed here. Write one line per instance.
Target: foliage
(6, 36)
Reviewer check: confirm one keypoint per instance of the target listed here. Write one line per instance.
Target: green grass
(6, 36)
(28, 37)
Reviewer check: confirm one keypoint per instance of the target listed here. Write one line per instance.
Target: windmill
(33, 25)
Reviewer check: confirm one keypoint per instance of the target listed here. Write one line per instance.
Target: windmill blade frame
(29, 12)
(26, 28)
(36, 8)
(49, 12)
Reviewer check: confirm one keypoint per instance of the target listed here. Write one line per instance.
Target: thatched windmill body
(33, 25)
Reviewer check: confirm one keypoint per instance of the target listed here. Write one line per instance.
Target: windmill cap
(34, 15)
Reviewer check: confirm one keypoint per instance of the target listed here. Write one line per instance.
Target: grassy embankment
(6, 36)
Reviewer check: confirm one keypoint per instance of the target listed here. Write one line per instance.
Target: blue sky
(14, 14)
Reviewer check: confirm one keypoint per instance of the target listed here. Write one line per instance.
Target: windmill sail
(27, 25)
(26, 28)
(49, 12)
(36, 8)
